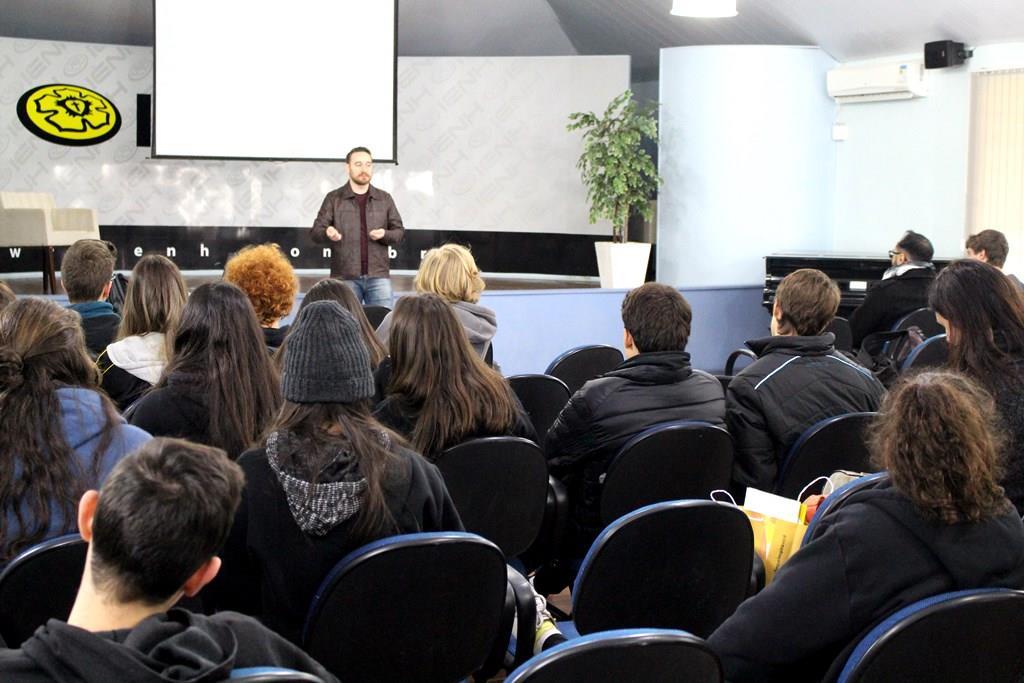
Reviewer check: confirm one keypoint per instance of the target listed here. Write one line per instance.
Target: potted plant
(620, 177)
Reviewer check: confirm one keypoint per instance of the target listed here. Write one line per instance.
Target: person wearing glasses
(360, 222)
(904, 287)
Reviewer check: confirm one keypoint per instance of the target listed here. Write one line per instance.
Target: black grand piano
(854, 273)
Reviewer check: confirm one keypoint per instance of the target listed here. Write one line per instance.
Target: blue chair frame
(791, 489)
(272, 674)
(929, 345)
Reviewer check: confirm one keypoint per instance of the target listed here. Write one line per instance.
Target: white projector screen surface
(263, 79)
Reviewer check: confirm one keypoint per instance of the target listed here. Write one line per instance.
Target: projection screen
(264, 79)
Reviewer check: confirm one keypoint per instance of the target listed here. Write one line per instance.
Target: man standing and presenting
(360, 222)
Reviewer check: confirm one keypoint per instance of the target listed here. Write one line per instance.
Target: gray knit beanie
(326, 360)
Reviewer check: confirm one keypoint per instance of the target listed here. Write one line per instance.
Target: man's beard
(361, 179)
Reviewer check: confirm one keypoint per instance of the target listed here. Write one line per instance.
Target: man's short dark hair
(808, 300)
(657, 317)
(163, 511)
(86, 269)
(993, 243)
(348, 157)
(916, 246)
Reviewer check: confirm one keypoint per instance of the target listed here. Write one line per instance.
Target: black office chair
(271, 674)
(40, 584)
(970, 635)
(922, 318)
(489, 355)
(725, 381)
(543, 398)
(577, 366)
(499, 485)
(836, 443)
(649, 655)
(840, 327)
(682, 564)
(431, 605)
(730, 362)
(932, 353)
(670, 461)
(376, 314)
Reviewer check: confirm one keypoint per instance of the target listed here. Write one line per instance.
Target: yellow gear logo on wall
(69, 115)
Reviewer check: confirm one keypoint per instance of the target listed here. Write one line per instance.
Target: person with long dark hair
(220, 387)
(441, 392)
(61, 434)
(940, 522)
(152, 306)
(983, 313)
(327, 479)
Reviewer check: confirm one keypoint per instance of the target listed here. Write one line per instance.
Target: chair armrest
(526, 612)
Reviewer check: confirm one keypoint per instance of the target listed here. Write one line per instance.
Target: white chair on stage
(30, 219)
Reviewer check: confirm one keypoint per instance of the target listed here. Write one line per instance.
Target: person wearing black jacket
(903, 289)
(940, 523)
(655, 384)
(798, 380)
(147, 550)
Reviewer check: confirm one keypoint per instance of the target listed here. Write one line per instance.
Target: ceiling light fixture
(704, 8)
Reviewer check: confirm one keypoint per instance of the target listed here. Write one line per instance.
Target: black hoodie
(874, 556)
(173, 646)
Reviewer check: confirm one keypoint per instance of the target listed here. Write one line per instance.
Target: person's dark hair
(331, 289)
(322, 426)
(808, 300)
(437, 375)
(985, 313)
(657, 317)
(155, 297)
(993, 243)
(916, 246)
(949, 468)
(6, 295)
(86, 269)
(219, 348)
(42, 348)
(163, 511)
(348, 157)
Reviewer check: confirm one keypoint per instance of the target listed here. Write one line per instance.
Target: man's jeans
(372, 291)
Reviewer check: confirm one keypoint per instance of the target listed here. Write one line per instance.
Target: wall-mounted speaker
(942, 53)
(143, 120)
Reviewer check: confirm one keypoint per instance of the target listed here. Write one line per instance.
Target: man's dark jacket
(890, 300)
(606, 412)
(341, 210)
(795, 383)
(99, 323)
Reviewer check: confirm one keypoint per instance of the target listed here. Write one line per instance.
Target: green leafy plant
(618, 173)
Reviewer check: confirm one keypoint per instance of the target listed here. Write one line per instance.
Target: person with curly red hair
(266, 275)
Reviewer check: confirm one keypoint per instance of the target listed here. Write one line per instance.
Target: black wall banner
(207, 248)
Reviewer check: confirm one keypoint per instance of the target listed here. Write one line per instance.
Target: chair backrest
(577, 366)
(670, 461)
(932, 353)
(376, 314)
(730, 362)
(499, 485)
(922, 318)
(836, 443)
(27, 200)
(543, 398)
(840, 327)
(683, 564)
(971, 635)
(424, 603)
(40, 584)
(650, 655)
(837, 499)
(272, 674)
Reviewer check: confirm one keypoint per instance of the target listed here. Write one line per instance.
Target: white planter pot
(622, 266)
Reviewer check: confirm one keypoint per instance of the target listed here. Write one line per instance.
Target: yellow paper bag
(782, 541)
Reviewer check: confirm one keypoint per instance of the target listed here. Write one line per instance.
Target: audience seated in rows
(941, 523)
(266, 276)
(654, 384)
(991, 247)
(61, 435)
(153, 532)
(152, 307)
(441, 393)
(450, 272)
(798, 380)
(983, 313)
(220, 387)
(904, 288)
(327, 479)
(6, 295)
(85, 273)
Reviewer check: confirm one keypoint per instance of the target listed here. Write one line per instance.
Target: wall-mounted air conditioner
(877, 82)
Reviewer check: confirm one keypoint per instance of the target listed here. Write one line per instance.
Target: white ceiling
(846, 29)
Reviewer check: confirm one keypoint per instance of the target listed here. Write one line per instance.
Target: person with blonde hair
(266, 276)
(450, 272)
(150, 313)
